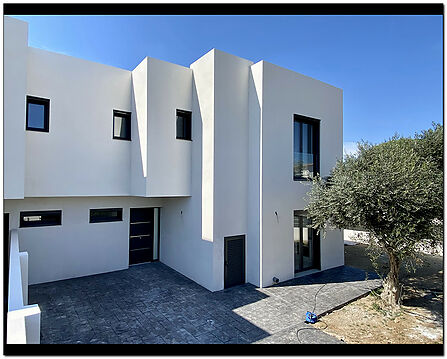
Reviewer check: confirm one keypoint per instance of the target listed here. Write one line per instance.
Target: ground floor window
(106, 215)
(40, 218)
(306, 243)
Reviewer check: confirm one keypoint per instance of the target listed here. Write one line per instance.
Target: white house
(204, 168)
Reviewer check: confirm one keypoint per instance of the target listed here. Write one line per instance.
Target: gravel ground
(367, 320)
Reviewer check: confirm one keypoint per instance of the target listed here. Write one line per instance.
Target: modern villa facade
(204, 168)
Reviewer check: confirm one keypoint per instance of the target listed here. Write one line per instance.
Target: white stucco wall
(234, 126)
(231, 78)
(196, 227)
(78, 157)
(181, 244)
(138, 151)
(169, 87)
(332, 249)
(15, 53)
(77, 247)
(203, 111)
(220, 104)
(187, 223)
(286, 93)
(254, 215)
(160, 163)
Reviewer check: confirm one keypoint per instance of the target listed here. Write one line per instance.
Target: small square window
(183, 125)
(121, 125)
(37, 114)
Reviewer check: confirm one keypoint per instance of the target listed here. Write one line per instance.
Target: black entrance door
(234, 266)
(141, 235)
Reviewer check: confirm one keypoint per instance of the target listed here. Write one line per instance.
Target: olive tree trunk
(391, 289)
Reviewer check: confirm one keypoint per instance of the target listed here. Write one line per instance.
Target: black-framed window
(306, 147)
(121, 125)
(40, 218)
(106, 215)
(306, 243)
(37, 114)
(184, 125)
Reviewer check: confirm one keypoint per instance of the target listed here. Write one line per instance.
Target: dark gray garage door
(234, 272)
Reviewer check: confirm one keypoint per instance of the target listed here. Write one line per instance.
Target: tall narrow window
(121, 125)
(306, 147)
(306, 243)
(37, 114)
(183, 125)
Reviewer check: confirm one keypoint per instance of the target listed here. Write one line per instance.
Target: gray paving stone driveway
(152, 303)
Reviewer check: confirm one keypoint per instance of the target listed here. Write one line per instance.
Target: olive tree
(392, 190)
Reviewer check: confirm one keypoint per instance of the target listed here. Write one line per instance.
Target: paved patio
(152, 303)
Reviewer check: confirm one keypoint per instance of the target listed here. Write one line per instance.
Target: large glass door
(306, 243)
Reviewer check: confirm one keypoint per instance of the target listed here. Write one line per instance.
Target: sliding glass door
(306, 243)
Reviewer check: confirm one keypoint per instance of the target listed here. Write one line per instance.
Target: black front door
(234, 266)
(141, 235)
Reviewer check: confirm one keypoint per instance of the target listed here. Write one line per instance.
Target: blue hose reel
(311, 318)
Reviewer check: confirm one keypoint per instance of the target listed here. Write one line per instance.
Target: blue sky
(389, 67)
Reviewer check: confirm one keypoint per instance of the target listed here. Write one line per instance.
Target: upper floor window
(37, 114)
(121, 125)
(306, 147)
(183, 125)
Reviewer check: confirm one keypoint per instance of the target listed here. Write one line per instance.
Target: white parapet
(24, 325)
(24, 275)
(23, 321)
(15, 292)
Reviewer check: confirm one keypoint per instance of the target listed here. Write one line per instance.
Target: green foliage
(394, 190)
(431, 145)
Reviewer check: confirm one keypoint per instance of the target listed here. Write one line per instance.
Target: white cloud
(349, 148)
